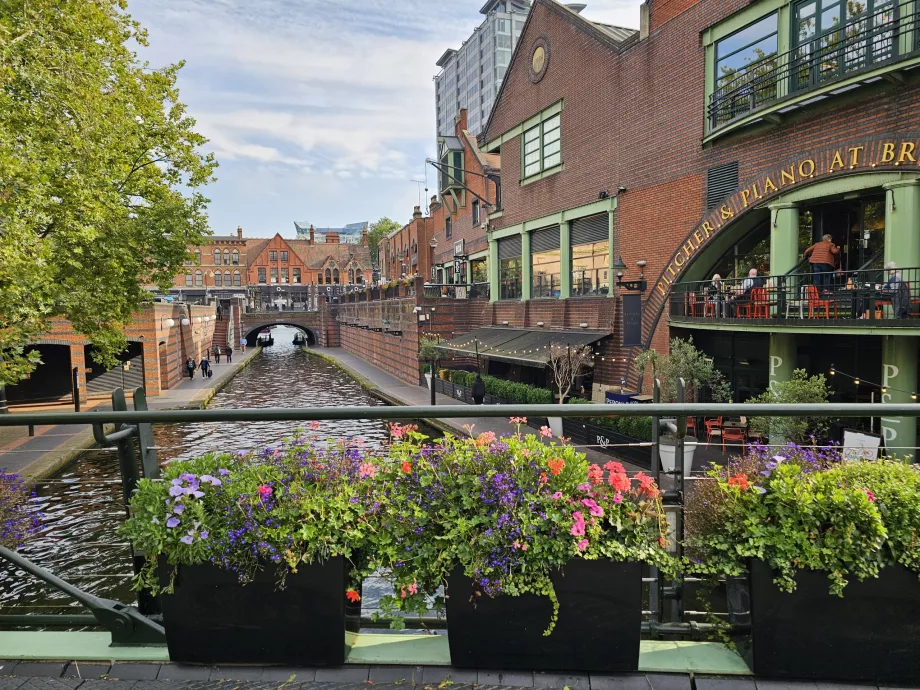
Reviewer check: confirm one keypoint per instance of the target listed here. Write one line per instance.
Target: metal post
(654, 588)
(677, 603)
(149, 460)
(76, 389)
(434, 369)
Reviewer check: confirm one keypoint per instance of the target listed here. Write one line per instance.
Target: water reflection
(83, 504)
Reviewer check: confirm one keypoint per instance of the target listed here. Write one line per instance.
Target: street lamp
(434, 245)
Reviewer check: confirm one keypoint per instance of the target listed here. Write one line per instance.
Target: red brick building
(725, 135)
(220, 264)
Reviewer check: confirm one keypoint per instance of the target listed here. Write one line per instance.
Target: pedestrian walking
(217, 355)
(243, 344)
(205, 367)
(219, 316)
(229, 353)
(190, 367)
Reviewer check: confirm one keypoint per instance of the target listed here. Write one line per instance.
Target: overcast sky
(317, 111)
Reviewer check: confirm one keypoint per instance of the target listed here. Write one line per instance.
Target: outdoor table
(861, 299)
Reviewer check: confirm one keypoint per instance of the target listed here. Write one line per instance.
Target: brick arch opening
(254, 332)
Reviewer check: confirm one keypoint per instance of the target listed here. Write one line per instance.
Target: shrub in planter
(834, 553)
(285, 522)
(19, 521)
(527, 537)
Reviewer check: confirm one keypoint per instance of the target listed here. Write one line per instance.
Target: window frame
(237, 279)
(448, 227)
(262, 275)
(272, 255)
(236, 257)
(284, 255)
(549, 123)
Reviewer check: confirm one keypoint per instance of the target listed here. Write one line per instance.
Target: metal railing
(456, 290)
(133, 435)
(866, 42)
(868, 295)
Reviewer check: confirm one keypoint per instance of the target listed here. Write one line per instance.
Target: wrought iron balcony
(861, 45)
(864, 298)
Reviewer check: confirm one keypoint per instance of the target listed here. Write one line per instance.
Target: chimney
(417, 213)
(462, 119)
(332, 238)
(312, 236)
(239, 231)
(434, 204)
(643, 21)
(364, 236)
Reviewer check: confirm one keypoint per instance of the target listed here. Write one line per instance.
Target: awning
(528, 346)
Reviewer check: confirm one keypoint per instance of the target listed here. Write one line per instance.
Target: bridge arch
(252, 331)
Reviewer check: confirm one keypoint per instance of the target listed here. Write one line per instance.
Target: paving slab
(725, 684)
(122, 671)
(86, 671)
(520, 679)
(292, 674)
(33, 669)
(561, 680)
(11, 683)
(669, 681)
(619, 681)
(176, 672)
(434, 675)
(344, 674)
(400, 675)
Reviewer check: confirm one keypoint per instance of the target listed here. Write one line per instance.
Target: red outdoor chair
(815, 303)
(758, 307)
(730, 434)
(691, 425)
(713, 428)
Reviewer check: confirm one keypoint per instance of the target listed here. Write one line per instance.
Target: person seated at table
(747, 285)
(823, 257)
(898, 291)
(715, 293)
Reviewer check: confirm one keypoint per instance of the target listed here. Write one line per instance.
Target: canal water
(82, 506)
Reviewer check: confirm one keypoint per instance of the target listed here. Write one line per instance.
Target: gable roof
(487, 161)
(316, 255)
(613, 37)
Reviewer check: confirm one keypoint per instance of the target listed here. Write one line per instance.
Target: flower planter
(213, 619)
(598, 627)
(871, 634)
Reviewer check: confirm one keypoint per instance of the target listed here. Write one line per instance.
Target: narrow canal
(82, 506)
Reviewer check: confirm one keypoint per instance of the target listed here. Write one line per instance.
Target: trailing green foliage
(805, 510)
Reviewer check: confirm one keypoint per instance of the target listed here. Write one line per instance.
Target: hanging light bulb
(833, 371)
(913, 396)
(856, 381)
(884, 389)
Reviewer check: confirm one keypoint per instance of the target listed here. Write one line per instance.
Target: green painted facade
(783, 356)
(899, 376)
(902, 223)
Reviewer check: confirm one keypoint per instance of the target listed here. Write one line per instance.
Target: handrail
(307, 414)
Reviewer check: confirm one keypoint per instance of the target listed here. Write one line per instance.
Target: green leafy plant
(683, 361)
(802, 509)
(427, 350)
(507, 510)
(801, 388)
(639, 428)
(300, 502)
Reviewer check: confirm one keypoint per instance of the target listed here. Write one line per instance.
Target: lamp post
(434, 245)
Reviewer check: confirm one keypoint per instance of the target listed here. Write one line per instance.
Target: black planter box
(871, 634)
(600, 614)
(584, 432)
(213, 619)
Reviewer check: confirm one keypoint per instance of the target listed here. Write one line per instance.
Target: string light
(857, 382)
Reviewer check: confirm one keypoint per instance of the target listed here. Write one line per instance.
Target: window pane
(551, 135)
(552, 160)
(218, 279)
(510, 278)
(590, 272)
(550, 148)
(532, 158)
(746, 37)
(740, 61)
(236, 278)
(551, 123)
(546, 278)
(531, 169)
(532, 134)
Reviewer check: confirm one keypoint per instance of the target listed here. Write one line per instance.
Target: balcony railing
(869, 297)
(867, 42)
(457, 291)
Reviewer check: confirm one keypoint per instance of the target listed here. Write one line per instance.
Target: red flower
(618, 480)
(265, 491)
(595, 474)
(352, 595)
(406, 467)
(543, 478)
(555, 466)
(740, 480)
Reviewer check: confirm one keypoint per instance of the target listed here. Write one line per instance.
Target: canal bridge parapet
(316, 325)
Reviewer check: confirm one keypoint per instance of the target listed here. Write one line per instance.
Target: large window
(226, 258)
(284, 275)
(227, 278)
(542, 146)
(217, 257)
(273, 255)
(284, 256)
(509, 267)
(199, 279)
(237, 279)
(735, 54)
(188, 280)
(590, 272)
(296, 275)
(236, 258)
(546, 276)
(218, 279)
(274, 274)
(262, 276)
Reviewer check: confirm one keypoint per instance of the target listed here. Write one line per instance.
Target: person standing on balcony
(898, 291)
(823, 257)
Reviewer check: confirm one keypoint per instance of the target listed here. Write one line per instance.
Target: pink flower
(546, 432)
(584, 487)
(314, 425)
(578, 529)
(557, 495)
(486, 438)
(518, 420)
(618, 498)
(870, 495)
(595, 509)
(396, 431)
(367, 470)
(583, 544)
(265, 491)
(523, 547)
(516, 545)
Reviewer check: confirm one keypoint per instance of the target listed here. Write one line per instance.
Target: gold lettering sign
(863, 155)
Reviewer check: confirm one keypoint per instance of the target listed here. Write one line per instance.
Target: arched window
(199, 279)
(217, 257)
(218, 279)
(227, 278)
(226, 257)
(351, 276)
(188, 280)
(335, 276)
(359, 276)
(236, 279)
(236, 258)
(329, 276)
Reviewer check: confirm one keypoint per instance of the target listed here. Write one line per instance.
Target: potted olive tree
(427, 352)
(566, 363)
(684, 361)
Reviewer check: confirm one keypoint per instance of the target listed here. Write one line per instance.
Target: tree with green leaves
(683, 361)
(377, 232)
(801, 388)
(100, 175)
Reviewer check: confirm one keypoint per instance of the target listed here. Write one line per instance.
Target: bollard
(76, 389)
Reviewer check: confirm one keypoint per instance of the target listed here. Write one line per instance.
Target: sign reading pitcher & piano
(632, 320)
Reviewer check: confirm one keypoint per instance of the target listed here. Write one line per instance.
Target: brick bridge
(313, 323)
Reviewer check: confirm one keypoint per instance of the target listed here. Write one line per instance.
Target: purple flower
(179, 509)
(176, 482)
(187, 477)
(222, 472)
(187, 539)
(204, 534)
(214, 481)
(172, 523)
(176, 491)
